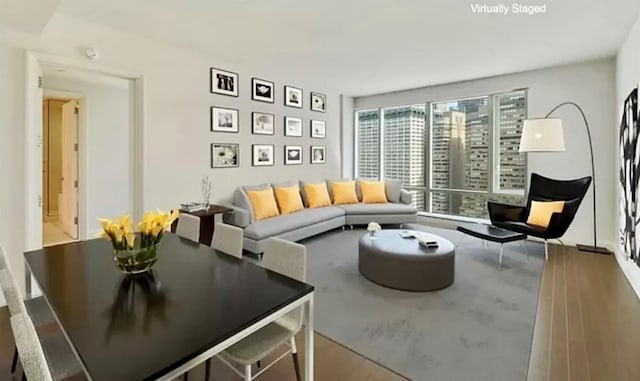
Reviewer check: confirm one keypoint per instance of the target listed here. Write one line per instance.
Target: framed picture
(263, 124)
(224, 119)
(224, 82)
(292, 155)
(225, 155)
(318, 129)
(318, 155)
(292, 97)
(292, 126)
(262, 90)
(262, 155)
(318, 102)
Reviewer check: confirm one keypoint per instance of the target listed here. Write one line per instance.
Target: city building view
(459, 151)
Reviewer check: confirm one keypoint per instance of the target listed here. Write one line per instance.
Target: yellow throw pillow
(263, 204)
(373, 192)
(540, 212)
(344, 192)
(317, 195)
(288, 199)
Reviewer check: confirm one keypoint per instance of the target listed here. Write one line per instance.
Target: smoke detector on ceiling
(92, 54)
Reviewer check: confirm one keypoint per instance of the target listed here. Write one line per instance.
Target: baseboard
(630, 269)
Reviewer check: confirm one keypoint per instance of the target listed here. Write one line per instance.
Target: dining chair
(34, 363)
(289, 259)
(60, 357)
(228, 239)
(3, 260)
(188, 227)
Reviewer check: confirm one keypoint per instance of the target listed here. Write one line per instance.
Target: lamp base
(594, 249)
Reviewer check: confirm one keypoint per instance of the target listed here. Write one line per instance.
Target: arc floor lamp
(546, 135)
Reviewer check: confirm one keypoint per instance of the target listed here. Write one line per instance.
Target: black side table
(207, 221)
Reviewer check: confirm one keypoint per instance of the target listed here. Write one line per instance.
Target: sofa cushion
(284, 223)
(344, 192)
(241, 200)
(359, 180)
(388, 208)
(263, 203)
(316, 195)
(393, 188)
(288, 199)
(373, 192)
(328, 182)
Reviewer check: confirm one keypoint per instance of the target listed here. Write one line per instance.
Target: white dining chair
(34, 363)
(289, 259)
(61, 360)
(3, 260)
(228, 239)
(188, 227)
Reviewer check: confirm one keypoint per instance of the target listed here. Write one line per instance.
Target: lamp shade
(542, 135)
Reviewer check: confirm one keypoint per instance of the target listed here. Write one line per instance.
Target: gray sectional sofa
(309, 222)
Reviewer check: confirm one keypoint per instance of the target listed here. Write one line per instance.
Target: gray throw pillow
(393, 188)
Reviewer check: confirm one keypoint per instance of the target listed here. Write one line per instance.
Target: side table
(207, 221)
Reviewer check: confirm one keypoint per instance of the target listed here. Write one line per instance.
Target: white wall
(627, 78)
(177, 136)
(12, 96)
(589, 84)
(104, 148)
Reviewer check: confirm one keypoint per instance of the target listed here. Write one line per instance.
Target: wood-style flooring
(588, 321)
(587, 329)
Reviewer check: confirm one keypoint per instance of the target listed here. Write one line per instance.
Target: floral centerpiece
(372, 228)
(135, 253)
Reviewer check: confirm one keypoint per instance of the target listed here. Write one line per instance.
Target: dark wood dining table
(195, 303)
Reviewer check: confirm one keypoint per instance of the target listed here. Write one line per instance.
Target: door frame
(136, 135)
(82, 153)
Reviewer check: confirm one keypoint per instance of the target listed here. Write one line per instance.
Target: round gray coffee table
(401, 263)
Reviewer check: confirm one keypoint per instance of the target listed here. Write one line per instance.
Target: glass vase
(136, 260)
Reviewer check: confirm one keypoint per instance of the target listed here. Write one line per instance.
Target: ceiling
(372, 46)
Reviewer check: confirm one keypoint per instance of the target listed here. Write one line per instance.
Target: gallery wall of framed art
(267, 129)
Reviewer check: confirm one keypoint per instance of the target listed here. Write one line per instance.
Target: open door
(68, 201)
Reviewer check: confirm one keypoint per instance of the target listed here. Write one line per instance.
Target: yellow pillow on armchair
(373, 192)
(540, 212)
(263, 203)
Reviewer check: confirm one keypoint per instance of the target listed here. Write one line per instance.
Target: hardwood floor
(587, 326)
(586, 330)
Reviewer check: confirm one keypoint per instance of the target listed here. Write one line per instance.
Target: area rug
(480, 328)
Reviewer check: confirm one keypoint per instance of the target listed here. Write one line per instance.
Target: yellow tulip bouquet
(130, 257)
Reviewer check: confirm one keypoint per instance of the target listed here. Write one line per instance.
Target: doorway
(60, 196)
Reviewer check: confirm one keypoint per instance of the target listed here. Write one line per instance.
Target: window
(454, 155)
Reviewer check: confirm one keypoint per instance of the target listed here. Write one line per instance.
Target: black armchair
(541, 188)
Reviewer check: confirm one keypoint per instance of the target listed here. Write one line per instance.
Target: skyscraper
(368, 143)
(476, 155)
(404, 147)
(447, 146)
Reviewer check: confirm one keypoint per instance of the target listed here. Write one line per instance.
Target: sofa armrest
(406, 197)
(504, 212)
(237, 217)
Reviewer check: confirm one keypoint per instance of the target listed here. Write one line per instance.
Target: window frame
(493, 173)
